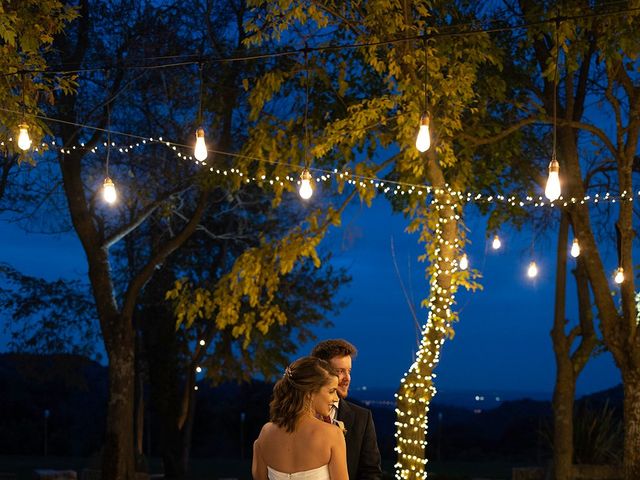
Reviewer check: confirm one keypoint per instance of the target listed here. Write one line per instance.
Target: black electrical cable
(292, 52)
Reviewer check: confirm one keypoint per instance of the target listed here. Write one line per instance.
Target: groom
(363, 456)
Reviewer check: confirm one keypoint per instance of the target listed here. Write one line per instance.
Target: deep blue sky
(502, 340)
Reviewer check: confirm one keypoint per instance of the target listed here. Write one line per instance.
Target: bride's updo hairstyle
(291, 394)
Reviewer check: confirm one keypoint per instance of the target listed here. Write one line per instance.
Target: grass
(460, 470)
(234, 468)
(201, 469)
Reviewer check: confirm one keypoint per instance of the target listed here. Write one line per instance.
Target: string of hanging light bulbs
(463, 263)
(533, 270)
(316, 175)
(108, 187)
(306, 190)
(423, 140)
(24, 142)
(200, 148)
(552, 190)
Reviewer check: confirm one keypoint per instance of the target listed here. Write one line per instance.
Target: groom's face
(342, 365)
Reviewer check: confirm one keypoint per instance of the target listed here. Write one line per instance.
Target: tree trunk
(140, 403)
(163, 363)
(568, 364)
(187, 431)
(563, 397)
(118, 459)
(564, 389)
(172, 459)
(631, 382)
(443, 244)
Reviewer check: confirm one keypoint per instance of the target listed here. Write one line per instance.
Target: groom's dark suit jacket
(363, 456)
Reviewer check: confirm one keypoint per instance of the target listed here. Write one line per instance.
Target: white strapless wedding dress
(320, 473)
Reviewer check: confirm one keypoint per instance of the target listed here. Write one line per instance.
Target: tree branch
(213, 236)
(587, 331)
(169, 247)
(135, 223)
(615, 104)
(592, 129)
(620, 74)
(505, 133)
(583, 78)
(7, 165)
(332, 12)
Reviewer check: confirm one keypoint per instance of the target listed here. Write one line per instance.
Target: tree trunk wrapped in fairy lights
(439, 221)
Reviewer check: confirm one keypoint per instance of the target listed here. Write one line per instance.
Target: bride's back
(295, 440)
(306, 448)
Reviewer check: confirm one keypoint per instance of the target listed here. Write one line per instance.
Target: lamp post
(46, 414)
(242, 418)
(440, 415)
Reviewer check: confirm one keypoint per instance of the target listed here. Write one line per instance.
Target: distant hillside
(229, 417)
(613, 396)
(72, 389)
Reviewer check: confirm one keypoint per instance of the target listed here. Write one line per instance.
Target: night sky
(502, 341)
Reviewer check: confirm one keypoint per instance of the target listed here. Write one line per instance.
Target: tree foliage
(27, 31)
(43, 317)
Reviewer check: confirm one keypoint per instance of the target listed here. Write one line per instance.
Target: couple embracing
(314, 433)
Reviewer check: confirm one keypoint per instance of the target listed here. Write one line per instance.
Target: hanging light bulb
(109, 191)
(464, 262)
(423, 142)
(496, 244)
(200, 150)
(198, 369)
(575, 248)
(552, 190)
(619, 276)
(24, 142)
(305, 185)
(532, 271)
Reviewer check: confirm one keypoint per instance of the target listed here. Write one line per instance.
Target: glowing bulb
(496, 244)
(532, 271)
(464, 262)
(202, 342)
(109, 191)
(552, 191)
(200, 151)
(423, 142)
(305, 185)
(198, 369)
(575, 248)
(619, 276)
(24, 142)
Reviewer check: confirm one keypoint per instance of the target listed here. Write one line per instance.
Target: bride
(296, 444)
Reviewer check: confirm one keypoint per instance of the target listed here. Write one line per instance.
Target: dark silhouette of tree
(44, 316)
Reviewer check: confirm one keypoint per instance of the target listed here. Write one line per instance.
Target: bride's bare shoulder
(328, 429)
(268, 429)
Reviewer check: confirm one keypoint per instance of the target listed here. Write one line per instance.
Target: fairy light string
(417, 387)
(380, 185)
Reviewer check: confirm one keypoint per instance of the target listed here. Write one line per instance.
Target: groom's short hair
(336, 347)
